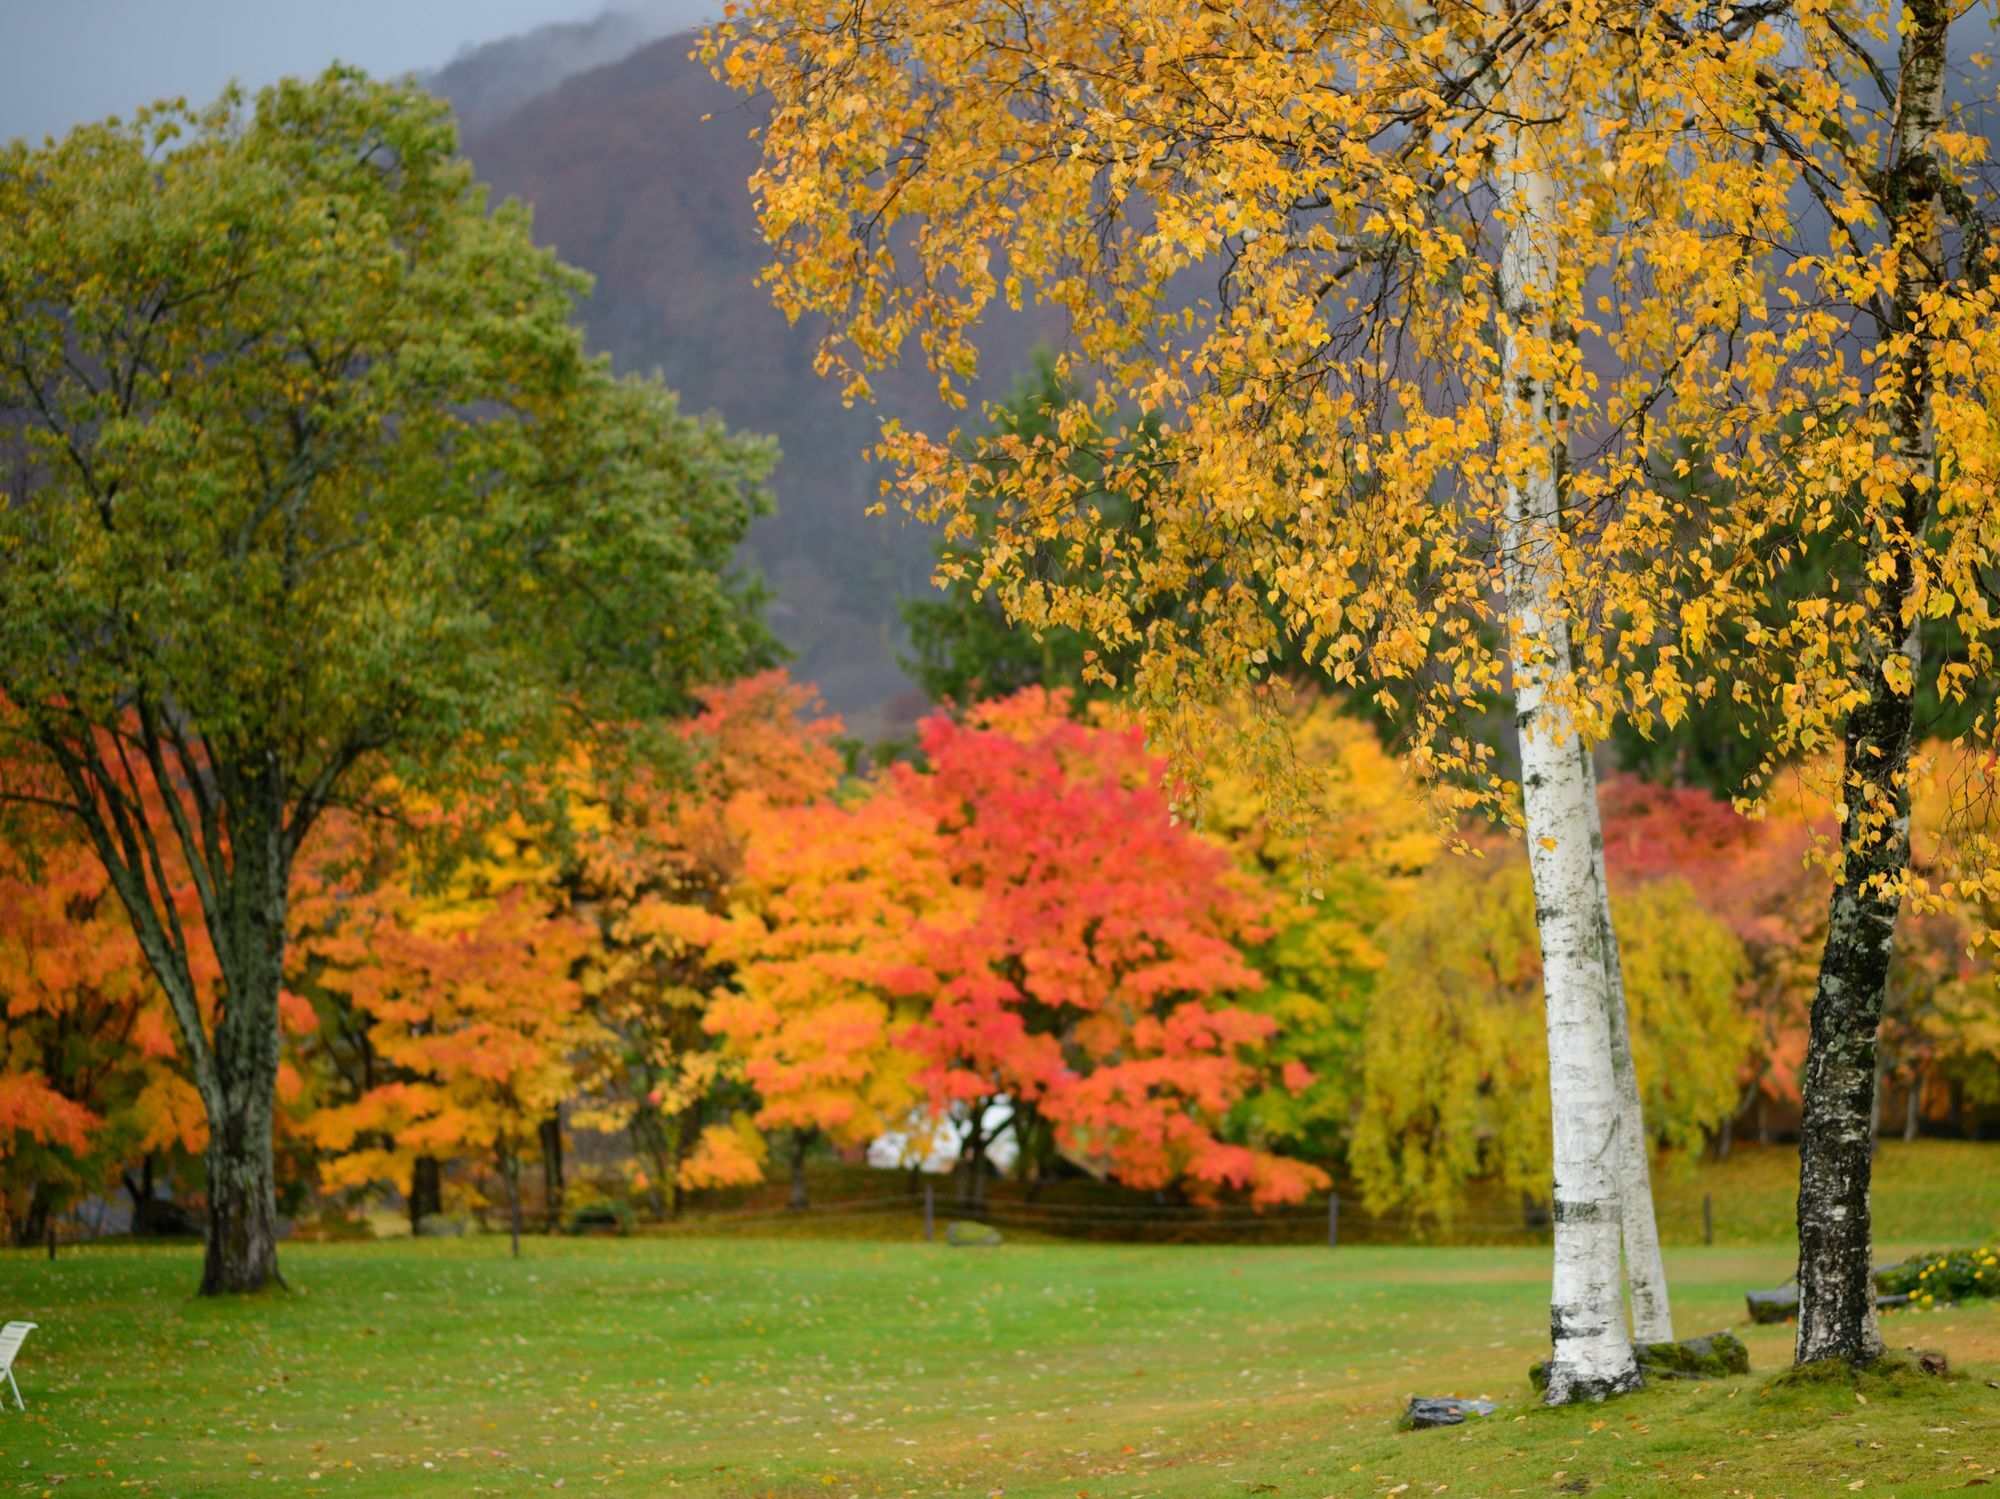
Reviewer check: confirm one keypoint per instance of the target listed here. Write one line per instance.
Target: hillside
(628, 181)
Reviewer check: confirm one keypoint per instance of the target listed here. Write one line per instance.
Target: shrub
(1953, 1275)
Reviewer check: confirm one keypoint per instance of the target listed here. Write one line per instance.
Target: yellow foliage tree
(462, 1001)
(1339, 869)
(1453, 1077)
(1377, 450)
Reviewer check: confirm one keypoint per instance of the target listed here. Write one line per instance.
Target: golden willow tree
(1371, 274)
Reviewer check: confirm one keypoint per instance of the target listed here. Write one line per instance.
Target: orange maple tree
(88, 1079)
(659, 861)
(829, 944)
(461, 1002)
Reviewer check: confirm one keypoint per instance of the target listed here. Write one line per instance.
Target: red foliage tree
(1098, 987)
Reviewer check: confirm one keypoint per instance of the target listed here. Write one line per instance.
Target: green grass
(1927, 1193)
(769, 1366)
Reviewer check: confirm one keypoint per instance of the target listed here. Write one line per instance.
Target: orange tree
(657, 861)
(88, 1077)
(828, 946)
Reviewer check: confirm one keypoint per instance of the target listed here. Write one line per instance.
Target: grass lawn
(1937, 1191)
(776, 1366)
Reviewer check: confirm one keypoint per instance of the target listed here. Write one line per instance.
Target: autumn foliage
(88, 1080)
(1100, 982)
(1004, 944)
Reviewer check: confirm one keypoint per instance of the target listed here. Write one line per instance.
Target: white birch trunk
(1591, 1356)
(1645, 1270)
(1533, 262)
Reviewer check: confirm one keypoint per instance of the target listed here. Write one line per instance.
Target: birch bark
(1645, 1271)
(1836, 1282)
(1591, 1356)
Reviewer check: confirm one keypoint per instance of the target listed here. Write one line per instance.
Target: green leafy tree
(966, 650)
(310, 470)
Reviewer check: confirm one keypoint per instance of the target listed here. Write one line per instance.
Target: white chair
(12, 1336)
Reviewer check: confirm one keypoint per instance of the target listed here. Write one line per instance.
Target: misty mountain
(488, 82)
(629, 182)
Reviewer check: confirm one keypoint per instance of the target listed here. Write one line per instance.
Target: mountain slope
(629, 182)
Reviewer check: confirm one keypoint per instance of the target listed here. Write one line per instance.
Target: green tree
(966, 650)
(311, 470)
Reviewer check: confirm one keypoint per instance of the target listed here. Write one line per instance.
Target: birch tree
(1850, 402)
(1336, 258)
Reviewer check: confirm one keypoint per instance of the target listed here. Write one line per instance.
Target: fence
(1330, 1220)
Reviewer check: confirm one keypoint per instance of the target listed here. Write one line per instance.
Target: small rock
(1443, 1410)
(1718, 1354)
(439, 1226)
(962, 1235)
(1931, 1361)
(1780, 1305)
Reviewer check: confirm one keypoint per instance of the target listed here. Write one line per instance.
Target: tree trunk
(141, 1192)
(1645, 1270)
(1836, 1280)
(32, 1226)
(426, 1190)
(972, 1159)
(1875, 1106)
(510, 1168)
(651, 1132)
(552, 1170)
(801, 1143)
(1763, 1118)
(240, 1088)
(677, 1133)
(1913, 1105)
(242, 1240)
(1591, 1356)
(1836, 1286)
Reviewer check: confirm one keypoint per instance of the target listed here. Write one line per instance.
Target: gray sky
(66, 61)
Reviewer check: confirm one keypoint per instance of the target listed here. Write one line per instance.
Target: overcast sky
(66, 61)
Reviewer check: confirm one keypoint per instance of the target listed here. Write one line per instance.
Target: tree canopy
(311, 467)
